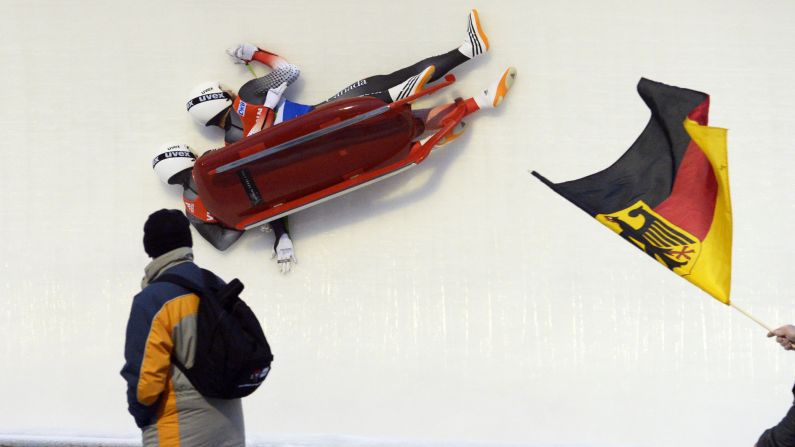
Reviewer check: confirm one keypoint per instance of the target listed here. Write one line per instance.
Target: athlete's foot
(476, 42)
(493, 95)
(457, 131)
(411, 85)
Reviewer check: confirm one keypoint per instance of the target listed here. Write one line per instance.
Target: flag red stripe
(691, 205)
(700, 113)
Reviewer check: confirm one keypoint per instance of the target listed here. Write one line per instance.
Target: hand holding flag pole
(784, 335)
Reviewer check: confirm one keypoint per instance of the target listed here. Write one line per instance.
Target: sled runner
(334, 149)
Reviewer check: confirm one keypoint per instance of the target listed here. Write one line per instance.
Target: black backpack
(232, 355)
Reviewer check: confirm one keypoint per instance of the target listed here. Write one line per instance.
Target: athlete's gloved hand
(284, 254)
(243, 54)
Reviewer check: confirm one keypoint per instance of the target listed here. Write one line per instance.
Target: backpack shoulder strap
(225, 293)
(180, 281)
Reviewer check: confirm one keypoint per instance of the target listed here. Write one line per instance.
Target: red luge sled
(334, 149)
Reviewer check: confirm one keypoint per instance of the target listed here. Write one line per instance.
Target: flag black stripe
(646, 171)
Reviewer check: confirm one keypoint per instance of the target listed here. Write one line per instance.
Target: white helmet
(171, 160)
(208, 102)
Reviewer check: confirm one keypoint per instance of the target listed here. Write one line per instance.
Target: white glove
(243, 54)
(284, 254)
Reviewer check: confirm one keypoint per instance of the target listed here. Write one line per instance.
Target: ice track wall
(462, 302)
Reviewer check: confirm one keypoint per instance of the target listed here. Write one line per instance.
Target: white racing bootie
(492, 96)
(411, 85)
(476, 42)
(457, 131)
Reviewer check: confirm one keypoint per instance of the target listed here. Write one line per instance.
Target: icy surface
(459, 302)
(253, 441)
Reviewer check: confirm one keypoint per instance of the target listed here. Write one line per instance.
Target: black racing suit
(378, 86)
(781, 435)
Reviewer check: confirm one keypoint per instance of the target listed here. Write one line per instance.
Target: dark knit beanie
(166, 230)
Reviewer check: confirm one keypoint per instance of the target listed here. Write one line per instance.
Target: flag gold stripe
(713, 272)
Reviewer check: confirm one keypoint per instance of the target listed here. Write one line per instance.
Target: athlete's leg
(443, 64)
(389, 87)
(490, 97)
(493, 95)
(475, 43)
(435, 118)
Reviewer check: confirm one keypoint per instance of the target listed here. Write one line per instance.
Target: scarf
(165, 261)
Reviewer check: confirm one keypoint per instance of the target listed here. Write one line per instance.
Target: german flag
(669, 193)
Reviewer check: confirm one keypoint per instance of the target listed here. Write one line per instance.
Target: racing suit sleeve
(220, 237)
(208, 227)
(279, 227)
(256, 90)
(272, 60)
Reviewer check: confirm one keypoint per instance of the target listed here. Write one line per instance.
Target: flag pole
(740, 309)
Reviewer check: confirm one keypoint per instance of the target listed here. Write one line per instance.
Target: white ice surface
(460, 302)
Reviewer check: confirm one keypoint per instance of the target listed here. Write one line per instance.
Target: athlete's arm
(256, 90)
(283, 245)
(272, 60)
(220, 237)
(246, 52)
(208, 227)
(279, 227)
